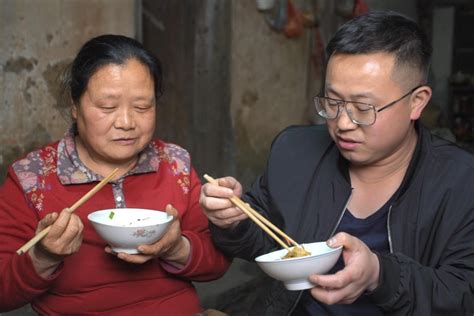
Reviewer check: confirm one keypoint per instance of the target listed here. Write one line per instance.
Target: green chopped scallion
(111, 215)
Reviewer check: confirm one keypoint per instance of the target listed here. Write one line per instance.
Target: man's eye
(363, 107)
(333, 102)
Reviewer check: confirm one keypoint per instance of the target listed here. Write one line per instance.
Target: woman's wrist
(179, 256)
(44, 265)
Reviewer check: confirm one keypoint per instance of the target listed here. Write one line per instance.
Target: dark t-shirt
(373, 232)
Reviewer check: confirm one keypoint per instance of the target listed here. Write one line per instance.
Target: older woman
(114, 85)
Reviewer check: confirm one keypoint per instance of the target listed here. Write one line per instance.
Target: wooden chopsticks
(71, 209)
(261, 221)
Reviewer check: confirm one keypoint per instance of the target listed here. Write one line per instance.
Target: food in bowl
(124, 229)
(296, 252)
(294, 272)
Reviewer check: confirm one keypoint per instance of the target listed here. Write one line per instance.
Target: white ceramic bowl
(130, 227)
(294, 272)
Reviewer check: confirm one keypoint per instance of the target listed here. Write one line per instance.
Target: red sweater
(92, 281)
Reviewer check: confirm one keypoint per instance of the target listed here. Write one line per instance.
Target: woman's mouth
(125, 141)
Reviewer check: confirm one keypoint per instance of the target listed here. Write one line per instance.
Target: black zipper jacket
(305, 188)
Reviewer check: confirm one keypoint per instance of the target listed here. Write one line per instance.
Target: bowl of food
(124, 229)
(295, 270)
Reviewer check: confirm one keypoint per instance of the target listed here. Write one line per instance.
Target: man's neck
(388, 168)
(374, 185)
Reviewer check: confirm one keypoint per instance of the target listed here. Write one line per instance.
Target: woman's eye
(107, 107)
(143, 108)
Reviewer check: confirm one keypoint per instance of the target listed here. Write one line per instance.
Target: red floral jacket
(92, 281)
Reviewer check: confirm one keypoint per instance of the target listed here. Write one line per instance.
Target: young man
(376, 181)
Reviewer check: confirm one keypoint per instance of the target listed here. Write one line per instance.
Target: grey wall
(38, 38)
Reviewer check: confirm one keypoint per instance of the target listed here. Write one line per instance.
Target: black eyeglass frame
(370, 106)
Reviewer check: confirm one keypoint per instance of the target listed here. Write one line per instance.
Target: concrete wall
(269, 85)
(38, 38)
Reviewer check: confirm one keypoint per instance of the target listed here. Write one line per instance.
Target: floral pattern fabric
(64, 161)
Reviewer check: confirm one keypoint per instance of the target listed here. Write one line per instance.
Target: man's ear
(419, 99)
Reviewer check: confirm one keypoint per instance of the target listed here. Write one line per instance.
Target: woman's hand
(63, 239)
(216, 204)
(361, 273)
(172, 247)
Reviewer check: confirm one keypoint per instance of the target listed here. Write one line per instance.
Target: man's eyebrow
(363, 95)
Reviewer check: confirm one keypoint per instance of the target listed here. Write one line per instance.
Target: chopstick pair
(261, 221)
(71, 209)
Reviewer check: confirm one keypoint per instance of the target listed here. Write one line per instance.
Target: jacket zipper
(389, 232)
(332, 233)
(340, 216)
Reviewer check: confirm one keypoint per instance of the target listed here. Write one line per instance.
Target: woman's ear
(419, 99)
(74, 111)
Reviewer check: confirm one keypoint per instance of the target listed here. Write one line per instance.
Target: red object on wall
(294, 25)
(360, 7)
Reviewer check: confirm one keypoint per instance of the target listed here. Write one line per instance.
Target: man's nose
(344, 121)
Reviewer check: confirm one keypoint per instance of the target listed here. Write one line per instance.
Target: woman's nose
(125, 119)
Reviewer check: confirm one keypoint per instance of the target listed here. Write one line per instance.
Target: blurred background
(236, 72)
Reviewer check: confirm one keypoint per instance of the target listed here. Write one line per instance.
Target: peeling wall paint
(39, 39)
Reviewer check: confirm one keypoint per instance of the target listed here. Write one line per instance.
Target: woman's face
(116, 114)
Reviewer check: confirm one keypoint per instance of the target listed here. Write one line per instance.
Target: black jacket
(305, 187)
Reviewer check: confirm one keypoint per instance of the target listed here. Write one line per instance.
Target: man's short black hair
(384, 31)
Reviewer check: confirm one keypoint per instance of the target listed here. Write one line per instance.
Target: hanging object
(294, 24)
(286, 17)
(277, 17)
(344, 8)
(265, 5)
(360, 7)
(349, 9)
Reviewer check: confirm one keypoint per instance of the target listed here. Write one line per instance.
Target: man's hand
(63, 239)
(172, 247)
(216, 204)
(361, 273)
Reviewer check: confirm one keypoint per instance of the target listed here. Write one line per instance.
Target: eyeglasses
(360, 113)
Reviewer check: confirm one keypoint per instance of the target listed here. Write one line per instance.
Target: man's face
(369, 79)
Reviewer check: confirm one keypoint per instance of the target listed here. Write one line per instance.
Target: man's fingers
(212, 204)
(343, 239)
(335, 281)
(213, 190)
(333, 296)
(227, 214)
(231, 183)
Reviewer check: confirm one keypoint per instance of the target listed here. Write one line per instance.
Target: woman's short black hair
(104, 50)
(384, 31)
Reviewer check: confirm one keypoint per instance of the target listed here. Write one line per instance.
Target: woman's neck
(102, 166)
